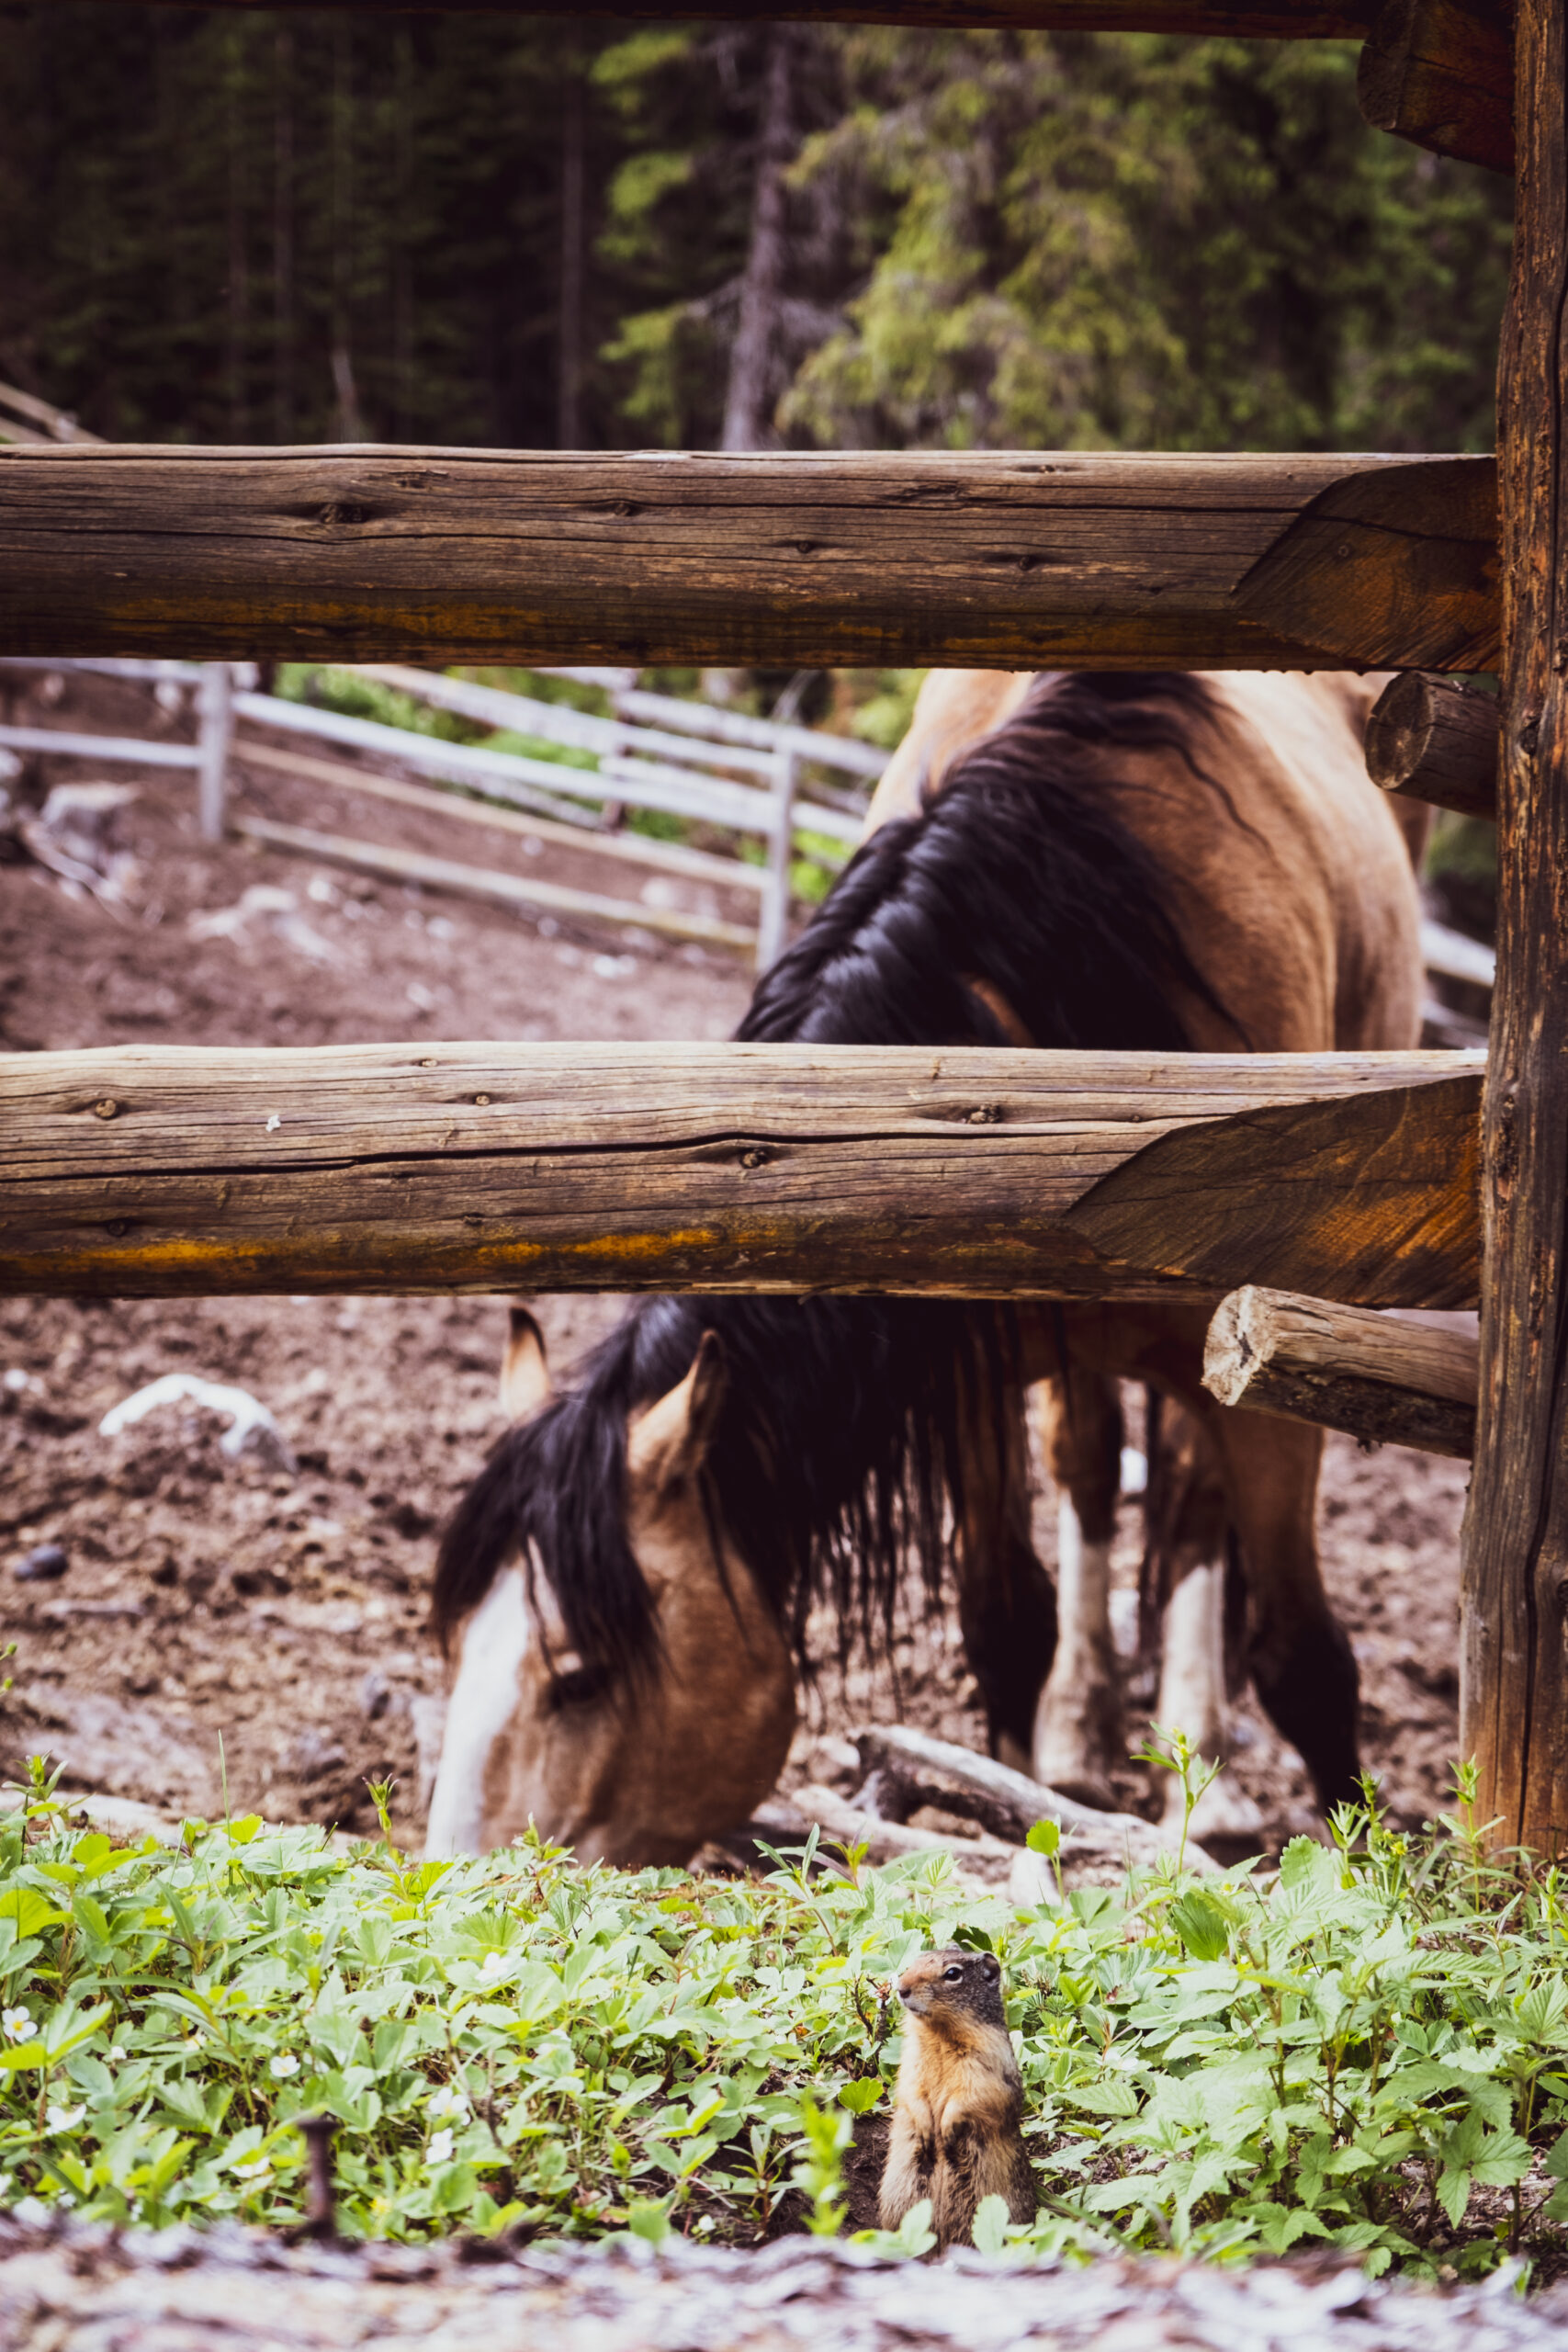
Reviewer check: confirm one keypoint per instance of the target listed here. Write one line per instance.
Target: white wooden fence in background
(637, 764)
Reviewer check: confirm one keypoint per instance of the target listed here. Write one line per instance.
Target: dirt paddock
(235, 1620)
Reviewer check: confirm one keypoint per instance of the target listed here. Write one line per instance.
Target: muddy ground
(231, 1619)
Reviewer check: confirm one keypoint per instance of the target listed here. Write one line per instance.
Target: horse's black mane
(836, 1453)
(1020, 873)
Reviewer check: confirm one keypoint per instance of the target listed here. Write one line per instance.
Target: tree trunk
(405, 88)
(283, 235)
(1512, 1686)
(349, 425)
(239, 269)
(568, 395)
(754, 360)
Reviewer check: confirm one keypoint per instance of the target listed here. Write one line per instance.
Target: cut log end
(1430, 739)
(1377, 1377)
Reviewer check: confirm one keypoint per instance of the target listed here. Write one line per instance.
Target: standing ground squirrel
(957, 2134)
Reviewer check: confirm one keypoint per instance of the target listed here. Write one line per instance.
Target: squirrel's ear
(992, 1966)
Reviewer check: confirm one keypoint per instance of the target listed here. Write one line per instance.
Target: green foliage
(1147, 243)
(295, 225)
(825, 2135)
(1371, 2049)
(883, 704)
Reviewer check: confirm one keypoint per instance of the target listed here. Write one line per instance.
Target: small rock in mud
(42, 1565)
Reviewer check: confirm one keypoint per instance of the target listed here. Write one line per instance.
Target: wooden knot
(755, 1158)
(106, 1109)
(987, 1114)
(482, 1098)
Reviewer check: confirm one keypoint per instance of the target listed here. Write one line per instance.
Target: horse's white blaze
(1081, 1693)
(484, 1699)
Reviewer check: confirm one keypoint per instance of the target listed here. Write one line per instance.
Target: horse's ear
(525, 1375)
(669, 1442)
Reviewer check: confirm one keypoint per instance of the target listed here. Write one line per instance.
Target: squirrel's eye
(953, 1975)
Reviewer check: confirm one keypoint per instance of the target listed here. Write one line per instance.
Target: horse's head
(626, 1758)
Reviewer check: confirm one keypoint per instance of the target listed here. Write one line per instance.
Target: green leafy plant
(1368, 2048)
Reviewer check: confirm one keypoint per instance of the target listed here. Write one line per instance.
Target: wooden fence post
(1514, 1668)
(217, 708)
(773, 920)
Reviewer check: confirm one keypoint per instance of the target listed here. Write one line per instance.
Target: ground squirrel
(957, 2134)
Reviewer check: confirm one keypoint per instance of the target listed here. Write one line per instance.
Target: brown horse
(1112, 862)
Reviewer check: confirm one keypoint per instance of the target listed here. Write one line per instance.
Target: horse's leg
(1187, 1519)
(1302, 1664)
(1078, 1736)
(1007, 1609)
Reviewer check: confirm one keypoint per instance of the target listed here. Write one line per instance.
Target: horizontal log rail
(1257, 20)
(1013, 561)
(167, 1171)
(1375, 1376)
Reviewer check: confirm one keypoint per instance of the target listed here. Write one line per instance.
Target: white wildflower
(65, 2119)
(256, 2169)
(440, 2149)
(281, 2068)
(447, 2100)
(117, 2055)
(17, 2023)
(494, 1965)
(700, 2229)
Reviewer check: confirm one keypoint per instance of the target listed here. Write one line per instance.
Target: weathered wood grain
(1514, 1652)
(1015, 560)
(1440, 72)
(1394, 570)
(1257, 20)
(1432, 740)
(1310, 1359)
(153, 1171)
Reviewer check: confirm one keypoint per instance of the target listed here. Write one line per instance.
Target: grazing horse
(1156, 861)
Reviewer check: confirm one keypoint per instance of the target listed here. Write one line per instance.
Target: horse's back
(1303, 912)
(1290, 879)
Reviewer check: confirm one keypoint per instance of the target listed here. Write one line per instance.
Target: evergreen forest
(322, 225)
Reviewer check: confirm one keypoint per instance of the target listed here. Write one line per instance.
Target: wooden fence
(1027, 559)
(1009, 560)
(638, 764)
(157, 1171)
